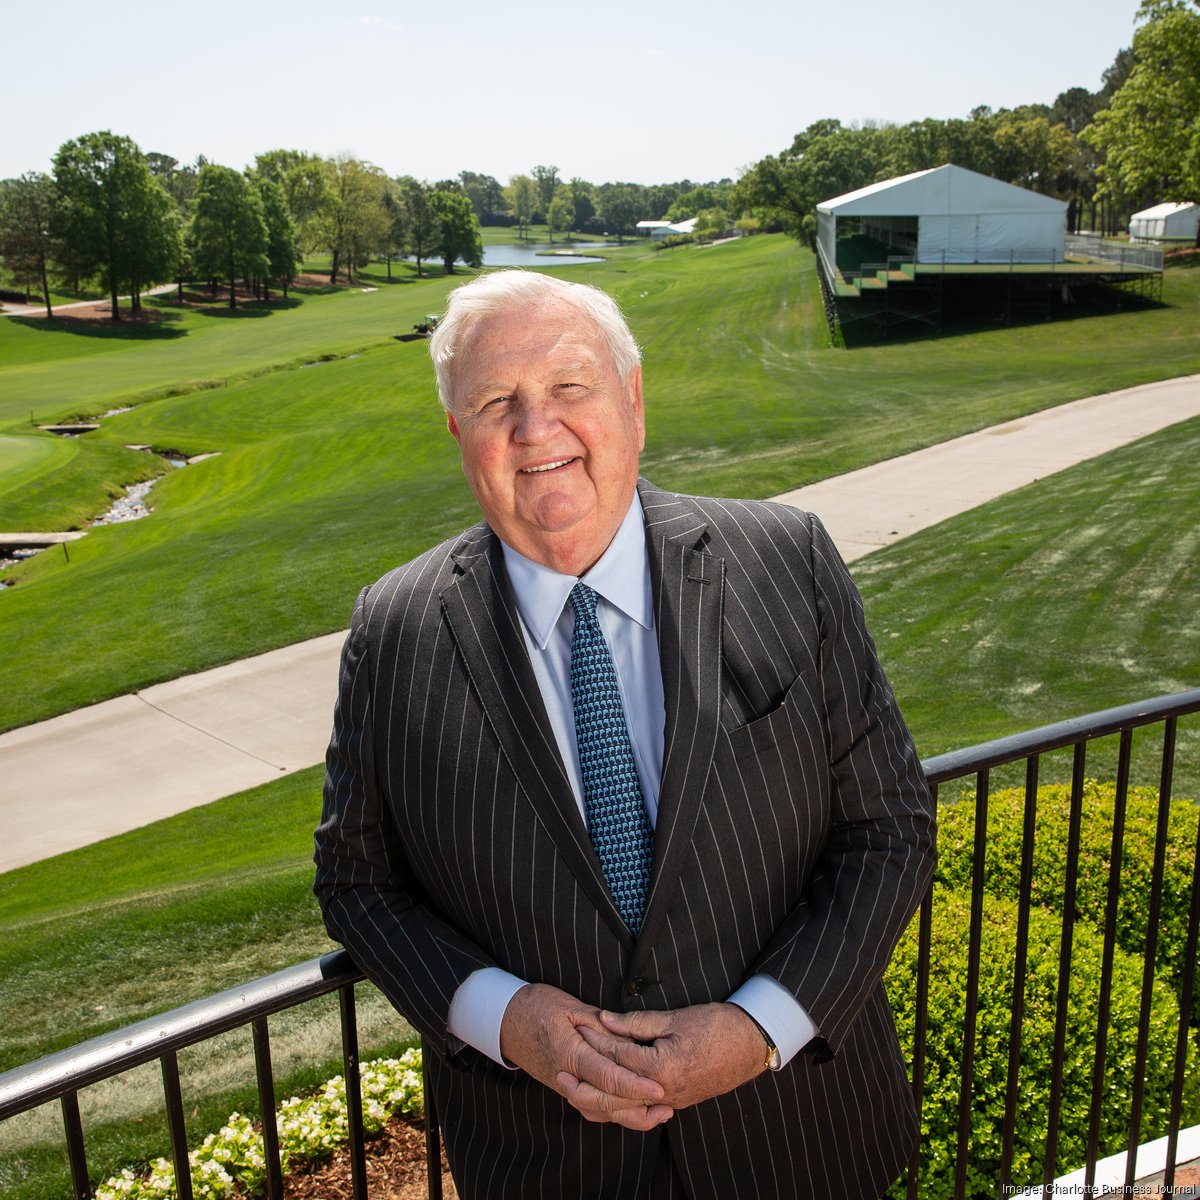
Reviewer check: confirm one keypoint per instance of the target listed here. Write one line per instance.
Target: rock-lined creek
(130, 507)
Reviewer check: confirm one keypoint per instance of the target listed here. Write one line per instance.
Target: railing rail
(60, 1076)
(1095, 246)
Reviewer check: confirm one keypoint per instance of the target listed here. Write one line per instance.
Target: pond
(528, 255)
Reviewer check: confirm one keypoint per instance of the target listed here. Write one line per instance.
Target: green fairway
(1077, 593)
(334, 463)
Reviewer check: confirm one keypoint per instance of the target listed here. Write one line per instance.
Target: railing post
(177, 1125)
(1106, 967)
(971, 1006)
(76, 1153)
(1150, 953)
(433, 1141)
(358, 1153)
(266, 1105)
(1185, 1012)
(1064, 966)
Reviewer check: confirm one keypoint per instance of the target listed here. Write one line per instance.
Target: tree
(153, 243)
(28, 216)
(458, 230)
(422, 228)
(229, 234)
(1031, 152)
(710, 223)
(352, 217)
(546, 180)
(521, 196)
(282, 258)
(617, 206)
(179, 182)
(302, 177)
(560, 216)
(690, 203)
(581, 196)
(395, 233)
(113, 218)
(484, 192)
(1150, 131)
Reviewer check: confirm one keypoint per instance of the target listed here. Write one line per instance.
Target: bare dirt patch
(102, 311)
(395, 1169)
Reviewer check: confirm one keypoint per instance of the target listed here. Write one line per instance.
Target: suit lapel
(689, 594)
(482, 616)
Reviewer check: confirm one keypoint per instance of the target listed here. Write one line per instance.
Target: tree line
(111, 213)
(108, 212)
(1132, 143)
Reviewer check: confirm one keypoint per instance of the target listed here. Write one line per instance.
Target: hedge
(945, 1034)
(956, 832)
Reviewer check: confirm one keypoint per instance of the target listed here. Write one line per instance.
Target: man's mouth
(550, 466)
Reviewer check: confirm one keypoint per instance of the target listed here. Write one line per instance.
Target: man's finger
(610, 1076)
(644, 1026)
(596, 1105)
(631, 1055)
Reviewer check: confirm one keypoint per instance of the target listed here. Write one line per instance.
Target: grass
(1076, 593)
(330, 473)
(98, 938)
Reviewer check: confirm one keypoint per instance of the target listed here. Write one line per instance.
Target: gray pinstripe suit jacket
(795, 836)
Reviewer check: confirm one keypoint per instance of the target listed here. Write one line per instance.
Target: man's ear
(634, 387)
(452, 425)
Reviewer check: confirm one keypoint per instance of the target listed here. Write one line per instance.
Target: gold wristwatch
(773, 1060)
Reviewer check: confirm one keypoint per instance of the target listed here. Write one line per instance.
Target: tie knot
(583, 601)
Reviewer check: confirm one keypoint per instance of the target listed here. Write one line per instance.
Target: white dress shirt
(621, 578)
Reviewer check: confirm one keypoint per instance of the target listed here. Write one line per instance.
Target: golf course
(326, 461)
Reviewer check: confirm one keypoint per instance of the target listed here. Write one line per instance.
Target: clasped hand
(634, 1069)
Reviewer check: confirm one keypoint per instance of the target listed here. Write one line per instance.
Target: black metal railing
(1028, 749)
(60, 1076)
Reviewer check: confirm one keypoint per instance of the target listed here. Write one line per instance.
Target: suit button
(635, 987)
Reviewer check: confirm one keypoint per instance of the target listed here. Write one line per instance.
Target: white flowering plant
(232, 1161)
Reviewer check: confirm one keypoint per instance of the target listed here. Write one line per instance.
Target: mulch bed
(395, 1169)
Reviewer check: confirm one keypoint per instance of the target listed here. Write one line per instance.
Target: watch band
(773, 1060)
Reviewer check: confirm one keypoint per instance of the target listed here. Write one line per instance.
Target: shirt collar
(621, 576)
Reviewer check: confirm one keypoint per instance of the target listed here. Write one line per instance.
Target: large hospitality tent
(949, 214)
(1168, 221)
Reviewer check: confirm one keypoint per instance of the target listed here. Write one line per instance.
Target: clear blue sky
(643, 92)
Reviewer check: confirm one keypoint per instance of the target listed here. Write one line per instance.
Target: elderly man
(620, 811)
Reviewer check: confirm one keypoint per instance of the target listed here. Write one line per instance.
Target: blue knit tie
(612, 796)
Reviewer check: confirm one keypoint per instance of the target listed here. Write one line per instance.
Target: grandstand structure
(949, 239)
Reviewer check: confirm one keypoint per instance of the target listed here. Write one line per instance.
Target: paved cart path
(118, 765)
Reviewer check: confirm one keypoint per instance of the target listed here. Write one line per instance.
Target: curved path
(118, 765)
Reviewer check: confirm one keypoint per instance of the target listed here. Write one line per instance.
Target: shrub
(1002, 862)
(944, 1045)
(232, 1162)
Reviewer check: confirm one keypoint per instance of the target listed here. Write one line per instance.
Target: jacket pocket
(778, 725)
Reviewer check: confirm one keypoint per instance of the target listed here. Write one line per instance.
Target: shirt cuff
(477, 1010)
(777, 1011)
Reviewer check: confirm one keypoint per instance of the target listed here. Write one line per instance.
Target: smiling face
(549, 434)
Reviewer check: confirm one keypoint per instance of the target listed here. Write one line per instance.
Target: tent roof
(939, 190)
(1162, 210)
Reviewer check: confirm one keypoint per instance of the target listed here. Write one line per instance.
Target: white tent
(1169, 221)
(949, 214)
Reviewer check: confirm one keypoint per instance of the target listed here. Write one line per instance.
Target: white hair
(511, 291)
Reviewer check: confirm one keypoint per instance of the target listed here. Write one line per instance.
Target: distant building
(656, 230)
(1165, 223)
(948, 214)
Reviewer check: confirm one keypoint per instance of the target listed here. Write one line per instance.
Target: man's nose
(537, 419)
